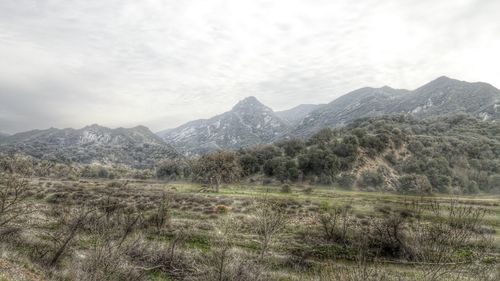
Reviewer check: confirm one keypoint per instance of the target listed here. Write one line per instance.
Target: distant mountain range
(250, 122)
(137, 147)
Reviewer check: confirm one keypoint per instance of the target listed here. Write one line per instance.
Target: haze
(161, 63)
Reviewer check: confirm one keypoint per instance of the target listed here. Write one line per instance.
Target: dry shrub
(171, 259)
(106, 262)
(224, 262)
(222, 209)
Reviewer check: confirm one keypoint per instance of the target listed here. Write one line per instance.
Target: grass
(196, 212)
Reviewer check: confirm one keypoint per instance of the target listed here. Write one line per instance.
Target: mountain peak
(249, 123)
(249, 102)
(443, 79)
(94, 126)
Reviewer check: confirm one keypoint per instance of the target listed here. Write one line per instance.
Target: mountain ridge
(297, 113)
(249, 122)
(137, 146)
(439, 97)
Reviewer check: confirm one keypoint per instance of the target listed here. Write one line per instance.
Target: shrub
(346, 181)
(285, 188)
(222, 209)
(418, 184)
(371, 179)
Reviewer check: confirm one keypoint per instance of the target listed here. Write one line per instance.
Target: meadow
(92, 229)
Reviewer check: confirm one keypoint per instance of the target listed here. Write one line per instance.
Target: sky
(160, 63)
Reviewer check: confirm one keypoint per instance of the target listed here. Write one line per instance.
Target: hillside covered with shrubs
(458, 154)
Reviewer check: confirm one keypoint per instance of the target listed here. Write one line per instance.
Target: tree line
(457, 154)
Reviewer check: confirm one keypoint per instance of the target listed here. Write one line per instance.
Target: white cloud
(161, 63)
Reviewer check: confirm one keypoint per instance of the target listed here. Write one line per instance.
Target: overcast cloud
(68, 63)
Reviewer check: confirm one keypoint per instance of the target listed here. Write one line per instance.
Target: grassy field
(200, 224)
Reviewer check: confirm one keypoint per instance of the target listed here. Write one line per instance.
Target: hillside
(455, 154)
(248, 123)
(296, 114)
(137, 147)
(445, 96)
(360, 103)
(441, 97)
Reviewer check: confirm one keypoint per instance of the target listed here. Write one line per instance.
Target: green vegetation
(459, 155)
(450, 155)
(94, 229)
(293, 210)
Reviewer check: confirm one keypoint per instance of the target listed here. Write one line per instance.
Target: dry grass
(150, 230)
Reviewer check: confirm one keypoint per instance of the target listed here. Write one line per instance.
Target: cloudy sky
(69, 63)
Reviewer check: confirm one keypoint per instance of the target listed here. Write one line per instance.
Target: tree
(223, 243)
(173, 169)
(217, 168)
(414, 183)
(494, 183)
(346, 180)
(270, 220)
(69, 224)
(160, 217)
(292, 147)
(283, 168)
(322, 137)
(14, 184)
(334, 223)
(249, 164)
(372, 179)
(319, 162)
(13, 195)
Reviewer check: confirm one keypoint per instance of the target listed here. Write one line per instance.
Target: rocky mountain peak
(250, 104)
(248, 123)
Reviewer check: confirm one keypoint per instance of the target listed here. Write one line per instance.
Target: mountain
(296, 114)
(360, 103)
(445, 96)
(249, 122)
(441, 97)
(137, 147)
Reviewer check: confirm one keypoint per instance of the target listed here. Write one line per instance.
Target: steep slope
(296, 114)
(441, 97)
(137, 147)
(248, 123)
(360, 103)
(445, 96)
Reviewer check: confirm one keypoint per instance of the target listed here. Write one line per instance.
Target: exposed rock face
(360, 103)
(445, 96)
(441, 97)
(248, 123)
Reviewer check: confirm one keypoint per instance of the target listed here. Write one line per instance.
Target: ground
(200, 211)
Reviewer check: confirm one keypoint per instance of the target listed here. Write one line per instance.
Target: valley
(200, 231)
